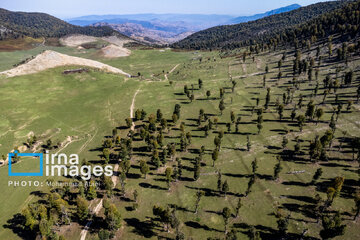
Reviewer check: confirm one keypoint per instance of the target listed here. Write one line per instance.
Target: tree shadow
(177, 207)
(16, 224)
(148, 185)
(142, 228)
(197, 225)
(301, 198)
(296, 183)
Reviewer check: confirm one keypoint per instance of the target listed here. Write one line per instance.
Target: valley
(215, 137)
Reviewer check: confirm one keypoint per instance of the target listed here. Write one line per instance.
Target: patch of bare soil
(76, 40)
(116, 47)
(113, 51)
(116, 40)
(52, 59)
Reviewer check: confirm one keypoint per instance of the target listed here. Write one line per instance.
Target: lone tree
(284, 143)
(168, 175)
(254, 166)
(200, 83)
(301, 122)
(217, 142)
(164, 216)
(334, 190)
(226, 213)
(250, 184)
(197, 169)
(144, 168)
(232, 117)
(91, 191)
(208, 94)
(238, 206)
(215, 156)
(225, 188)
(277, 170)
(82, 209)
(221, 106)
(219, 182)
(49, 144)
(283, 224)
(222, 93)
(310, 111)
(281, 111)
(128, 122)
(319, 113)
(199, 195)
(332, 226)
(248, 145)
(112, 217)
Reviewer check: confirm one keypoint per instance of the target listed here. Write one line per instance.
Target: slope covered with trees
(258, 142)
(42, 25)
(232, 36)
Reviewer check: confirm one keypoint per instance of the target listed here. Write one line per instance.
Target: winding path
(132, 108)
(114, 178)
(172, 70)
(96, 210)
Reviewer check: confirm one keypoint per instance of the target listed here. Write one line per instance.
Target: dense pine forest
(36, 25)
(317, 19)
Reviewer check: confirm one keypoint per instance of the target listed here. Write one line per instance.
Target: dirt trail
(67, 142)
(52, 59)
(114, 178)
(132, 109)
(88, 141)
(96, 210)
(172, 70)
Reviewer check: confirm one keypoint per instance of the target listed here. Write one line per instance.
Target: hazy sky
(74, 8)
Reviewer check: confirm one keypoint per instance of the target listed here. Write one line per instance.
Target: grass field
(88, 106)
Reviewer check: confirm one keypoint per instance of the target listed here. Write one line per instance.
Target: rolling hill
(16, 24)
(232, 36)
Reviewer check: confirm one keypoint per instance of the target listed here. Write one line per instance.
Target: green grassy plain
(88, 106)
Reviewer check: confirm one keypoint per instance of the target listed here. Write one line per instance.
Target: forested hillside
(262, 30)
(42, 25)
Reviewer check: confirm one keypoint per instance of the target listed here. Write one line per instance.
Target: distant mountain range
(166, 28)
(150, 28)
(262, 15)
(194, 21)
